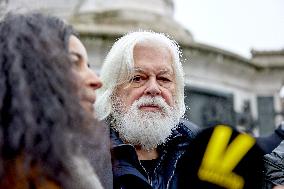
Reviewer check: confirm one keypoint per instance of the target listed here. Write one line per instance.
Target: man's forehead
(152, 42)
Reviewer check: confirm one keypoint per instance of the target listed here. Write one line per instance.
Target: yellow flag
(220, 158)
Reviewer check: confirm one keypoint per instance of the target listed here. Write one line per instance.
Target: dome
(110, 17)
(121, 16)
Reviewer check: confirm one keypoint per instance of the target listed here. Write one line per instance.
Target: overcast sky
(234, 25)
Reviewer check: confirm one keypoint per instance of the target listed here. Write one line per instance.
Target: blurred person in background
(274, 168)
(43, 110)
(273, 147)
(270, 142)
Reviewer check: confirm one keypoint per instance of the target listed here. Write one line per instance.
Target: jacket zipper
(148, 178)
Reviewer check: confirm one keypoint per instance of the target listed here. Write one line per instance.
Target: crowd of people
(62, 126)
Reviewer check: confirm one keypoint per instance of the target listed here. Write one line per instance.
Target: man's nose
(152, 87)
(94, 81)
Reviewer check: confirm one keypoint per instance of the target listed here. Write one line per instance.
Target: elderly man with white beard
(142, 99)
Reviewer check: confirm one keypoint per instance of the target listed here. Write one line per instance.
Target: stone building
(220, 86)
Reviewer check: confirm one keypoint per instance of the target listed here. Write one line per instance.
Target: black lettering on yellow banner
(220, 158)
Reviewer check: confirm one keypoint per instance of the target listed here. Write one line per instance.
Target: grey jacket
(274, 167)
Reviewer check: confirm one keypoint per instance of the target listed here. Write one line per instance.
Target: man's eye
(136, 78)
(164, 79)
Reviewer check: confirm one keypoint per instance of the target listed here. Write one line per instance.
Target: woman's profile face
(87, 79)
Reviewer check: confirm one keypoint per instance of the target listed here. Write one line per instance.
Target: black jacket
(270, 142)
(130, 174)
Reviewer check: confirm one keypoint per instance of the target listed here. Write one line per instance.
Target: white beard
(146, 129)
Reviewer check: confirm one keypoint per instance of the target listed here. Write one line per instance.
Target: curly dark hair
(39, 106)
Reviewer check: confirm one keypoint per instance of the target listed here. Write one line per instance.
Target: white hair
(119, 64)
